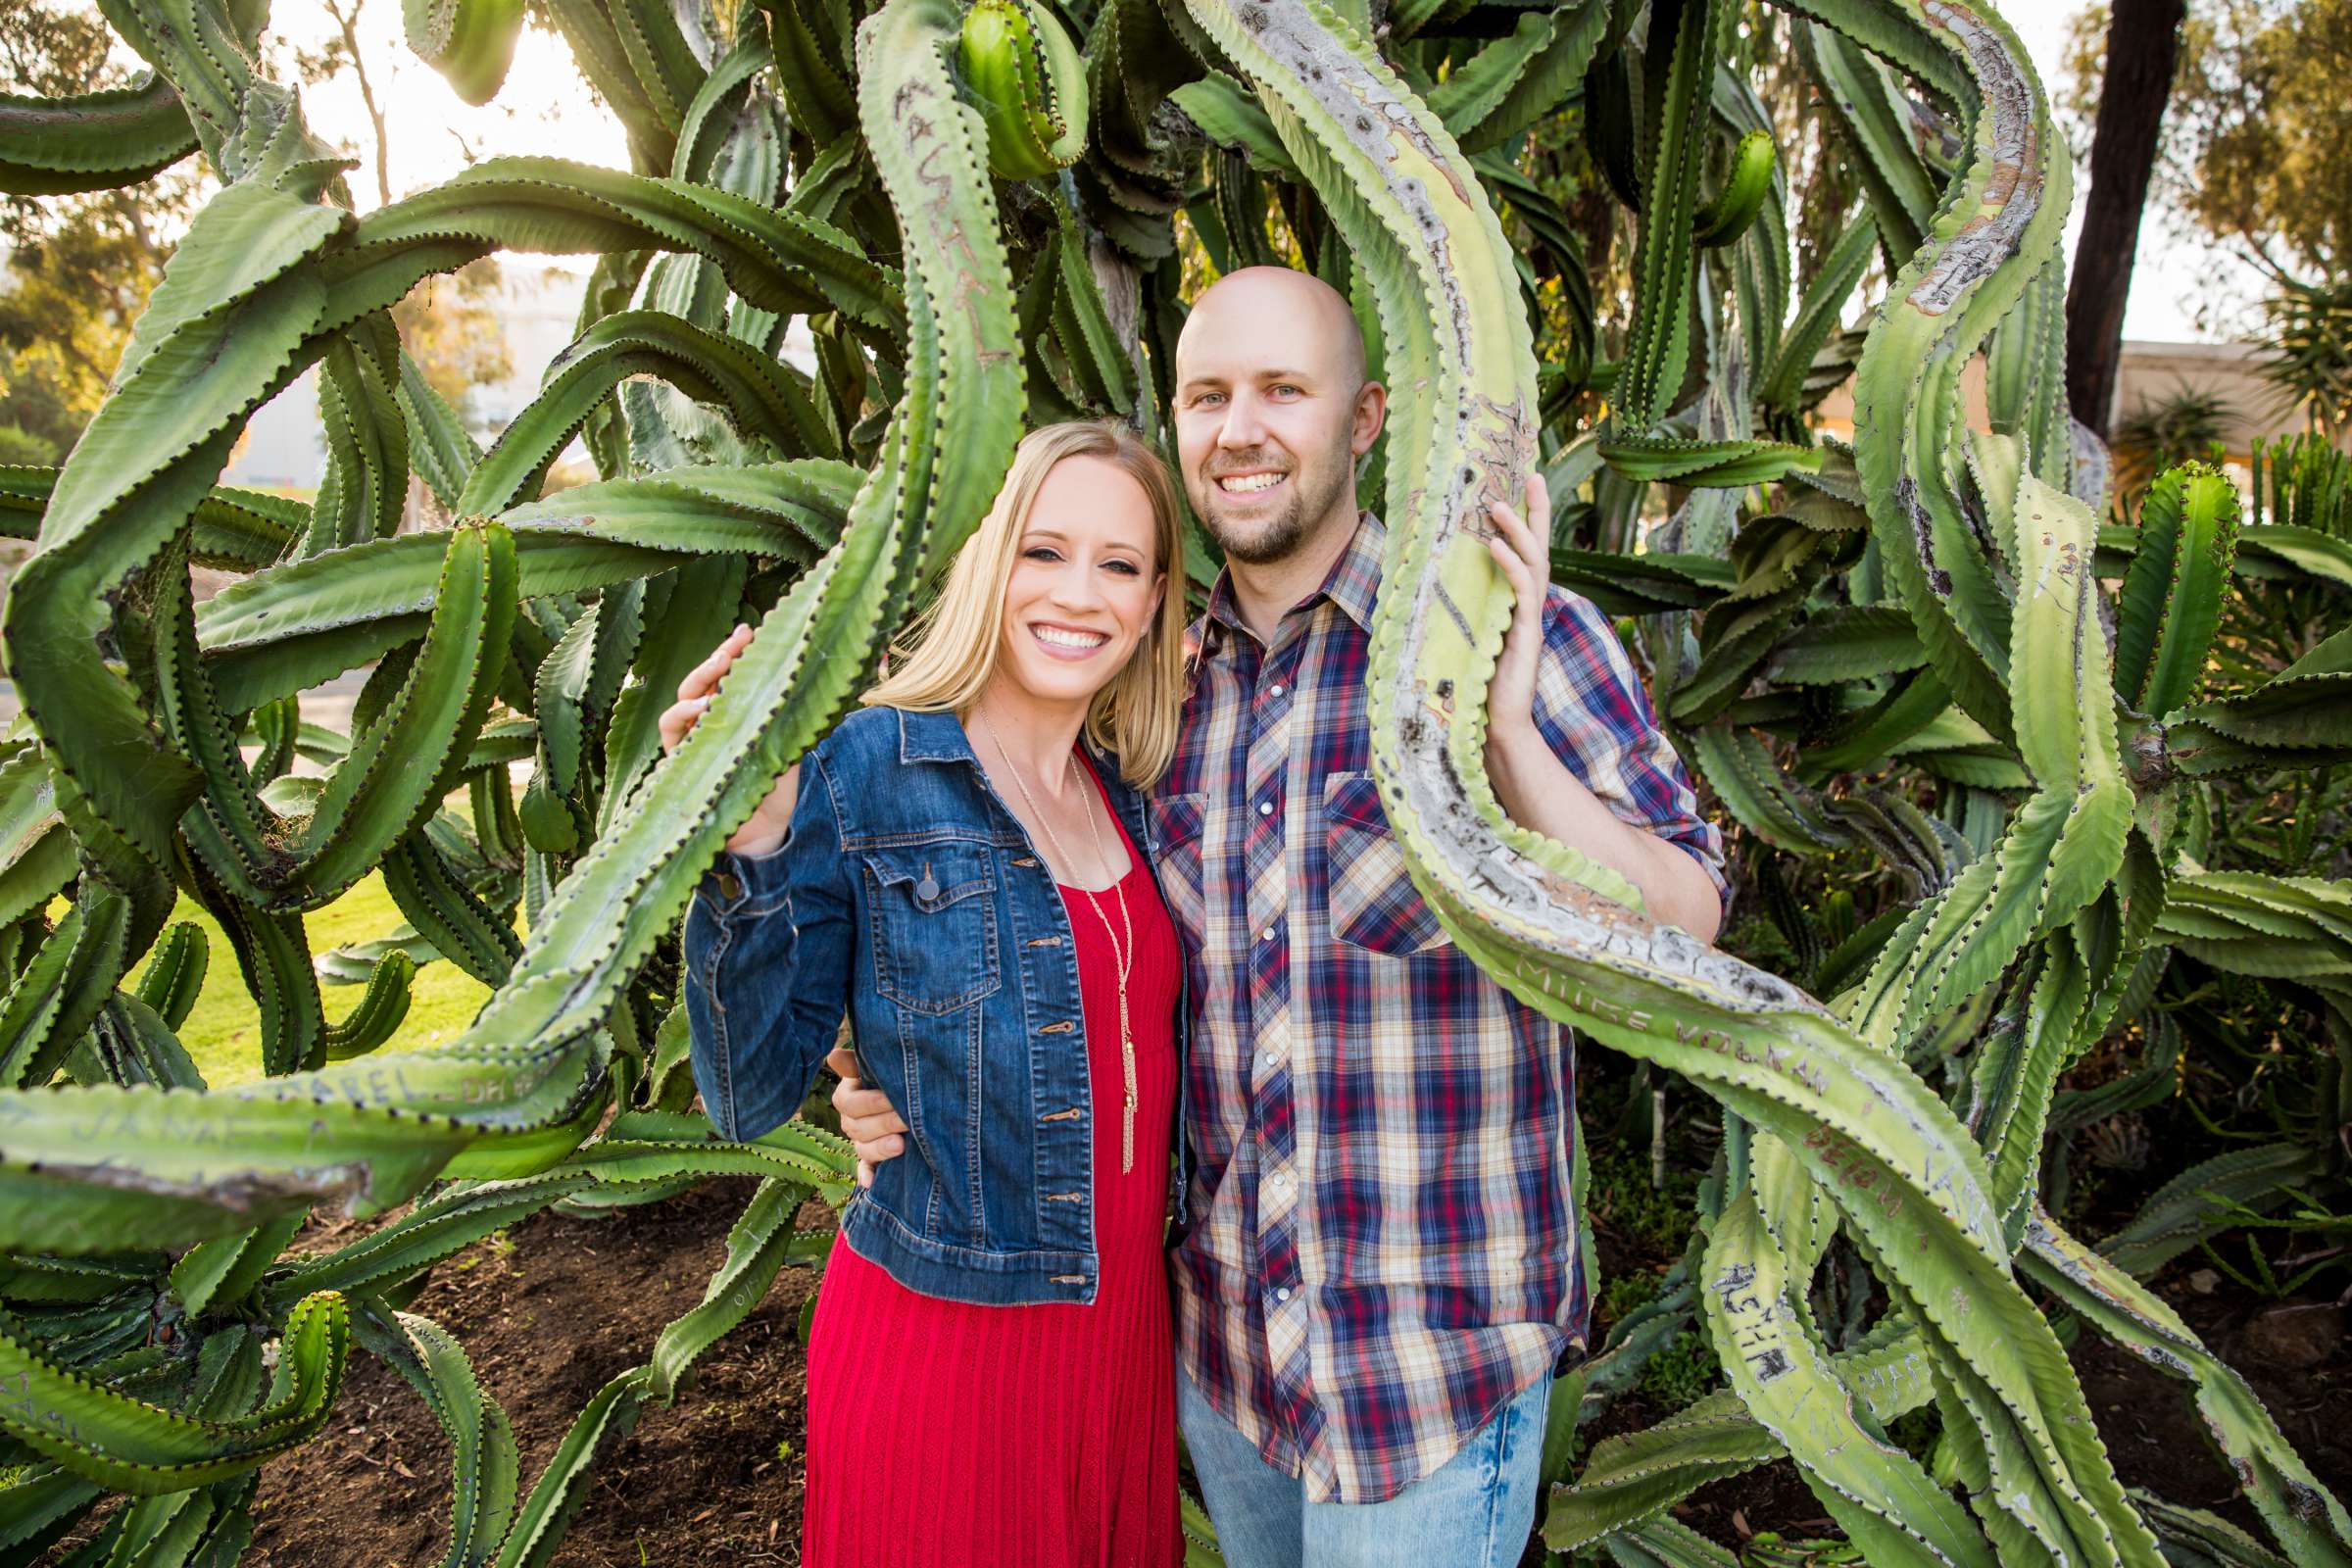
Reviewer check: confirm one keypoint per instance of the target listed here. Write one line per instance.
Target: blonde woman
(961, 868)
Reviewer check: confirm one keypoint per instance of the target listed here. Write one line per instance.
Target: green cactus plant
(973, 214)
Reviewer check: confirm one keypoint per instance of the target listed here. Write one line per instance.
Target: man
(1380, 1272)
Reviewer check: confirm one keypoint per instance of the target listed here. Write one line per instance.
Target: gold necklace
(1123, 961)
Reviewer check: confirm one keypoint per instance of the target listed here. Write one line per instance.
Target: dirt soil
(549, 1316)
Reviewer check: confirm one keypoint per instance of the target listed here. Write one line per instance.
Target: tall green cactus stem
(2172, 598)
(1910, 1180)
(1031, 86)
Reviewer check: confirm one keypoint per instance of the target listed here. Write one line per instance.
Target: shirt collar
(936, 737)
(1353, 583)
(940, 737)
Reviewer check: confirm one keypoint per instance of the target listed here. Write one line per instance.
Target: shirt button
(1282, 1294)
(1278, 1182)
(1269, 933)
(1277, 692)
(1265, 807)
(1266, 1058)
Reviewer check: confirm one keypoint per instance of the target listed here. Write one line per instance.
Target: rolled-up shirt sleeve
(1593, 712)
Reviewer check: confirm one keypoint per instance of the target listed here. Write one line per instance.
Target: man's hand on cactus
(772, 820)
(1536, 786)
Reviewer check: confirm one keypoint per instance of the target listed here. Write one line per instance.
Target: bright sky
(545, 109)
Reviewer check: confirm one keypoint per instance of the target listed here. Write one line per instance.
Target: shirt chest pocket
(932, 920)
(1177, 825)
(1374, 904)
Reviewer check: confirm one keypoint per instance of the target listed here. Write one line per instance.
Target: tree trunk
(2143, 42)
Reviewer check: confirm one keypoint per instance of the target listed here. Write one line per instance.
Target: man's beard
(1279, 535)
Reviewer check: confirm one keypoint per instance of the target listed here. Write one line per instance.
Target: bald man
(1379, 1274)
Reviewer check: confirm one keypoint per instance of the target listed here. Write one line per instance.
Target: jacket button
(729, 885)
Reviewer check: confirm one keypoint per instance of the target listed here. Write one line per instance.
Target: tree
(78, 268)
(2143, 45)
(2251, 152)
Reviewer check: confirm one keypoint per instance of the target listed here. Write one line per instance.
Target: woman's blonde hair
(949, 650)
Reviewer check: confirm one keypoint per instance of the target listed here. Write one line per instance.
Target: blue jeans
(1474, 1511)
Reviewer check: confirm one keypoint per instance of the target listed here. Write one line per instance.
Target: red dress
(954, 1436)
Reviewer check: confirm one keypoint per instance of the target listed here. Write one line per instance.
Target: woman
(989, 1373)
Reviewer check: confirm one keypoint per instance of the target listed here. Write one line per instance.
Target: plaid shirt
(1383, 1243)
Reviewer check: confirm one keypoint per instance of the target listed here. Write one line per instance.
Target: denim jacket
(909, 897)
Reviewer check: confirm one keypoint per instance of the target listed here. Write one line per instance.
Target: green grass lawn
(224, 1032)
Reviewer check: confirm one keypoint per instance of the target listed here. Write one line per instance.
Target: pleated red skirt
(952, 1436)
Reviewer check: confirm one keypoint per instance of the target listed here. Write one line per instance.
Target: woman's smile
(1067, 642)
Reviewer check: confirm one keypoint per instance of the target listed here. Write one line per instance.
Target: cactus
(973, 213)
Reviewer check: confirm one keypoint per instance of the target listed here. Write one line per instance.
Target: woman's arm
(767, 936)
(768, 947)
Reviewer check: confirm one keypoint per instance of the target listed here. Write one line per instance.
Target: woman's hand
(866, 1119)
(1522, 547)
(765, 831)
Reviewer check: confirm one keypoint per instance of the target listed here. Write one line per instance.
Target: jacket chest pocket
(1374, 904)
(932, 918)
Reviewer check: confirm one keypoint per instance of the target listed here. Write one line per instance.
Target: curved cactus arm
(144, 1449)
(59, 993)
(378, 1012)
(758, 392)
(2297, 928)
(1666, 1544)
(1992, 234)
(1639, 1475)
(757, 1246)
(1491, 98)
(1729, 212)
(2196, 1539)
(1874, 119)
(1030, 85)
(813, 69)
(437, 1229)
(2306, 1518)
(1879, 1494)
(194, 368)
(40, 1504)
(1657, 347)
(2172, 598)
(2180, 1214)
(399, 767)
(1781, 386)
(236, 530)
(708, 138)
(774, 257)
(484, 1464)
(1729, 465)
(36, 852)
(174, 973)
(2066, 844)
(1911, 1182)
(471, 42)
(92, 141)
(2276, 714)
(285, 629)
(366, 484)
